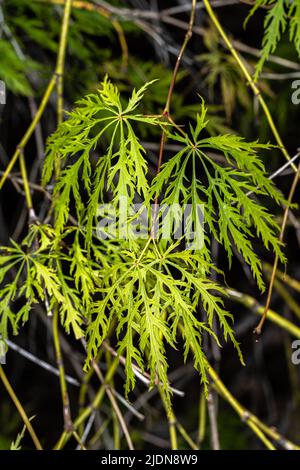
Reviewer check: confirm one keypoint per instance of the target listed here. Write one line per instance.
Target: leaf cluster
(148, 294)
(281, 15)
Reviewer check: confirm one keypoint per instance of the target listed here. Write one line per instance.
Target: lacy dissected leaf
(226, 192)
(155, 301)
(279, 14)
(99, 129)
(151, 294)
(44, 282)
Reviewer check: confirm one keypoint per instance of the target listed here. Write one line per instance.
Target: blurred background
(134, 42)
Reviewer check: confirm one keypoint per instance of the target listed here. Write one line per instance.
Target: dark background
(269, 383)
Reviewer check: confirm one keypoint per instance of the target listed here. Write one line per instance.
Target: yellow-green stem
(252, 304)
(60, 64)
(258, 329)
(62, 377)
(202, 418)
(116, 428)
(241, 411)
(249, 79)
(20, 409)
(171, 420)
(25, 181)
(56, 78)
(89, 409)
(29, 131)
(287, 297)
(186, 436)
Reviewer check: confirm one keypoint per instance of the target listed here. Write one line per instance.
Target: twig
(171, 420)
(20, 409)
(280, 76)
(87, 429)
(117, 415)
(68, 425)
(29, 131)
(166, 112)
(112, 400)
(60, 64)
(40, 362)
(36, 187)
(249, 79)
(188, 36)
(186, 436)
(99, 432)
(202, 418)
(53, 82)
(288, 298)
(252, 304)
(279, 171)
(131, 408)
(142, 376)
(215, 440)
(199, 6)
(284, 167)
(242, 412)
(80, 443)
(257, 426)
(31, 212)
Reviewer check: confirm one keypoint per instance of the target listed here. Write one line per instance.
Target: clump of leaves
(280, 15)
(151, 291)
(231, 214)
(16, 445)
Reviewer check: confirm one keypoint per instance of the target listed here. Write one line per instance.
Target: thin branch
(20, 409)
(166, 112)
(284, 277)
(258, 427)
(43, 364)
(87, 429)
(29, 131)
(53, 82)
(60, 64)
(202, 418)
(211, 405)
(256, 307)
(112, 400)
(249, 79)
(68, 425)
(171, 421)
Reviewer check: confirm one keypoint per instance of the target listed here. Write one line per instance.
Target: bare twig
(112, 400)
(215, 440)
(43, 364)
(20, 409)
